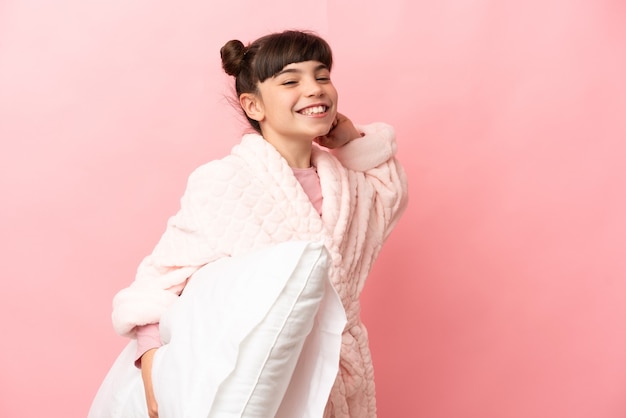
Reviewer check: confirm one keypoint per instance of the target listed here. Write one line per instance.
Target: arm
(368, 152)
(146, 375)
(148, 337)
(187, 244)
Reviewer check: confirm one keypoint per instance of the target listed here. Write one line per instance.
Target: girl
(350, 192)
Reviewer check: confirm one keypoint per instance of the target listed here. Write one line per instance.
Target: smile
(313, 110)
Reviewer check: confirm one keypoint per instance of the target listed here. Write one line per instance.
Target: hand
(341, 132)
(146, 375)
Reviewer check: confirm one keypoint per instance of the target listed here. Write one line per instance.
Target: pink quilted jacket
(251, 199)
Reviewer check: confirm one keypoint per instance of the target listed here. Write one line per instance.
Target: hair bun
(233, 53)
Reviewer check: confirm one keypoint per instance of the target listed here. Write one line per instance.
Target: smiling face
(299, 103)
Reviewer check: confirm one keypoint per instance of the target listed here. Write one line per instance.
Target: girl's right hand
(341, 132)
(146, 375)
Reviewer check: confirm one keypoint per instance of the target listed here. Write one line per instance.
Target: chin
(320, 133)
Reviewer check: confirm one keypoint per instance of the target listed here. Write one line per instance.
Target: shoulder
(225, 168)
(214, 178)
(215, 170)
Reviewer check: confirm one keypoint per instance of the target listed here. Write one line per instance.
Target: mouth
(317, 110)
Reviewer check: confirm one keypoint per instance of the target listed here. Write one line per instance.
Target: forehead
(303, 66)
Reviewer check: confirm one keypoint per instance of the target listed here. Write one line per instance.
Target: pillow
(255, 335)
(233, 339)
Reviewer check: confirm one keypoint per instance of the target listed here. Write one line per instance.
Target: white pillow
(234, 337)
(237, 343)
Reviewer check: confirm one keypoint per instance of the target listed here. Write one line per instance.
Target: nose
(313, 88)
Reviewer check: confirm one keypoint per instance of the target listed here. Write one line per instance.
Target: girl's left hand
(342, 132)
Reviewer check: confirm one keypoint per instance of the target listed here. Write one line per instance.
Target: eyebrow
(296, 70)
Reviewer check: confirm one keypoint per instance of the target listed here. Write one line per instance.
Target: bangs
(287, 48)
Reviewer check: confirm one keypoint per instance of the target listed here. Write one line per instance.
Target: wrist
(354, 137)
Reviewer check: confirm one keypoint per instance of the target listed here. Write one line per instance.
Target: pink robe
(251, 199)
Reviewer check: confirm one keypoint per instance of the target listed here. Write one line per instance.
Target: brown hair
(268, 55)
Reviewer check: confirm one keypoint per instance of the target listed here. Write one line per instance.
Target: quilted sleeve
(376, 147)
(378, 175)
(185, 246)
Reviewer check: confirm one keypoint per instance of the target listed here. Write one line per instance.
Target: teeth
(313, 110)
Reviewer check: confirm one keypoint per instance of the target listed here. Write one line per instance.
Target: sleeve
(377, 146)
(184, 247)
(380, 178)
(148, 337)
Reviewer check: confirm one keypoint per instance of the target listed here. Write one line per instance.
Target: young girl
(349, 193)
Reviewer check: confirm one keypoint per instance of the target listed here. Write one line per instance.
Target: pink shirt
(310, 182)
(148, 336)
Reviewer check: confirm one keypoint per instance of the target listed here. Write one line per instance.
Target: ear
(253, 106)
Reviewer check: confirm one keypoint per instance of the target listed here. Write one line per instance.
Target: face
(299, 103)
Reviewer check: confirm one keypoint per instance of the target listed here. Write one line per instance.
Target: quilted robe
(250, 199)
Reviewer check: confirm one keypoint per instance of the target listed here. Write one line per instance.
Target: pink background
(502, 293)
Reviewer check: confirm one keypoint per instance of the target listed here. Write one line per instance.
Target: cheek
(333, 94)
(283, 99)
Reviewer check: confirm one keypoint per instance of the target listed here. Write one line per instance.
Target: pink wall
(502, 294)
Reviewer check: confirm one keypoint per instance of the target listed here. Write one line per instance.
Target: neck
(297, 152)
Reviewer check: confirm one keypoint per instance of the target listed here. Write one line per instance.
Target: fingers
(339, 133)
